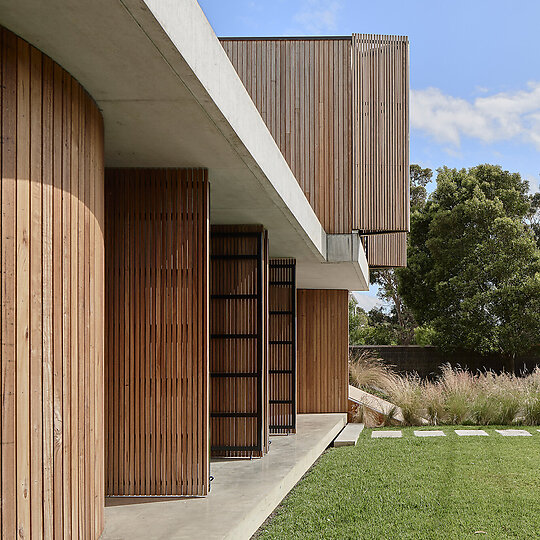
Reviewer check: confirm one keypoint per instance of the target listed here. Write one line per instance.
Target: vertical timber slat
(157, 354)
(43, 137)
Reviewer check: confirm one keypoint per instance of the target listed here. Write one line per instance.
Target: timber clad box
(176, 258)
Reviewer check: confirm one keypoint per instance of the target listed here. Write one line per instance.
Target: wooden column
(239, 341)
(282, 346)
(323, 350)
(156, 395)
(52, 298)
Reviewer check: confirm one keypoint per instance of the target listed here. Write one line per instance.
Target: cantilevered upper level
(311, 140)
(338, 110)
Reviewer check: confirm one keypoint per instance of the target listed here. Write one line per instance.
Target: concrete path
(349, 435)
(244, 492)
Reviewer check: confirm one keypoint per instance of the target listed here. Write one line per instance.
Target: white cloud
(534, 183)
(499, 117)
(316, 17)
(366, 300)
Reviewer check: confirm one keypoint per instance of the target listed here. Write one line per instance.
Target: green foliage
(424, 335)
(473, 272)
(398, 326)
(534, 217)
(373, 328)
(419, 179)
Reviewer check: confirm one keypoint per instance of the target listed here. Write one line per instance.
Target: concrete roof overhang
(171, 98)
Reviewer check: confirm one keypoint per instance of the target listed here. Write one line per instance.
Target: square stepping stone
(432, 433)
(386, 434)
(514, 432)
(349, 435)
(471, 433)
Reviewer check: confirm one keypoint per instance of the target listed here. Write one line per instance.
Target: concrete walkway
(244, 492)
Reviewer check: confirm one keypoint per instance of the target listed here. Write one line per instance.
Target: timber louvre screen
(282, 346)
(156, 369)
(380, 133)
(387, 250)
(238, 341)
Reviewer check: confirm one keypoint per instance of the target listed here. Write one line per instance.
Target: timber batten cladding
(239, 340)
(323, 350)
(337, 107)
(156, 398)
(52, 300)
(301, 88)
(380, 132)
(282, 346)
(387, 250)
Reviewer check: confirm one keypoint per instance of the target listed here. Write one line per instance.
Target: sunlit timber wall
(323, 349)
(338, 110)
(156, 356)
(52, 298)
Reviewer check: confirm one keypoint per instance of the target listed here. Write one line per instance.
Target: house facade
(182, 218)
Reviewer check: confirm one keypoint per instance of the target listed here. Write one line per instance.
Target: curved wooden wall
(323, 350)
(52, 257)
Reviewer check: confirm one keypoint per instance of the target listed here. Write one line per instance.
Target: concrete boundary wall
(426, 361)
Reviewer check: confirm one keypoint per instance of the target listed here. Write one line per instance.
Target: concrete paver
(349, 435)
(514, 432)
(471, 433)
(430, 433)
(386, 434)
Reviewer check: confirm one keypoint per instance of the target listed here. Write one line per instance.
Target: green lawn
(445, 487)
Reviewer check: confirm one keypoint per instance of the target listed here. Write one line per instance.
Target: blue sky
(474, 69)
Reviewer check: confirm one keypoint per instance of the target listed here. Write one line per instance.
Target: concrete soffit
(180, 26)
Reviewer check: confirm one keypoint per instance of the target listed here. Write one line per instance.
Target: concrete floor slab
(349, 435)
(471, 432)
(244, 492)
(386, 434)
(514, 432)
(431, 433)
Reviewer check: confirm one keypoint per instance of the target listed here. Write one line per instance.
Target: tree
(401, 316)
(419, 178)
(473, 272)
(373, 328)
(534, 216)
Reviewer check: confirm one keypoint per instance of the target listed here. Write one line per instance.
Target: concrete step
(349, 435)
